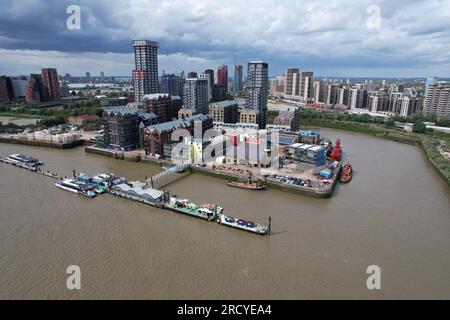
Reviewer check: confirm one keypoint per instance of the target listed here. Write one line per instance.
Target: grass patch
(22, 116)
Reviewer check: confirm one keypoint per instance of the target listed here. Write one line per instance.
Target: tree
(419, 127)
(389, 123)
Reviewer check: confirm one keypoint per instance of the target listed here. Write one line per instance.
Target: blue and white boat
(76, 186)
(21, 159)
(242, 224)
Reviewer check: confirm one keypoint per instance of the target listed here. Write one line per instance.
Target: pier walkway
(162, 179)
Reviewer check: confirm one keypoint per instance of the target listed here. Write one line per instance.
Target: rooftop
(176, 124)
(308, 133)
(123, 111)
(138, 189)
(154, 96)
(225, 103)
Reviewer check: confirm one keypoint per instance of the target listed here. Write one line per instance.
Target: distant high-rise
(196, 95)
(307, 86)
(6, 88)
(50, 81)
(172, 85)
(210, 72)
(34, 90)
(320, 91)
(292, 82)
(429, 82)
(408, 105)
(378, 102)
(145, 75)
(257, 89)
(222, 75)
(205, 76)
(102, 76)
(437, 101)
(356, 98)
(192, 75)
(343, 96)
(299, 85)
(88, 77)
(238, 81)
(332, 92)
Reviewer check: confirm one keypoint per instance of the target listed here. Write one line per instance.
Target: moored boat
(191, 209)
(346, 174)
(21, 159)
(250, 185)
(76, 186)
(242, 224)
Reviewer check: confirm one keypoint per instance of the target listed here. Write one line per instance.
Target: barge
(207, 211)
(247, 185)
(243, 224)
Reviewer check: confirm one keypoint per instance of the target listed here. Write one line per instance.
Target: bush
(419, 127)
(53, 121)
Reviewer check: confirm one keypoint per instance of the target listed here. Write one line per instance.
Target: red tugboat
(346, 174)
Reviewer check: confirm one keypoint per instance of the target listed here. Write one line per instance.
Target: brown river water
(394, 214)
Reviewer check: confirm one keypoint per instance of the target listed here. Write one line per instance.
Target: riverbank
(427, 143)
(118, 155)
(437, 160)
(370, 129)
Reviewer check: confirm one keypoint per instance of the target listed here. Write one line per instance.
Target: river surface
(394, 214)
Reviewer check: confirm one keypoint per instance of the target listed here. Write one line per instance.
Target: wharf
(230, 176)
(42, 143)
(151, 197)
(131, 156)
(272, 183)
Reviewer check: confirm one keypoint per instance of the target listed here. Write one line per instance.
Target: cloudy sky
(330, 37)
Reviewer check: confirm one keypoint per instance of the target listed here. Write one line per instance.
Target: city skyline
(331, 38)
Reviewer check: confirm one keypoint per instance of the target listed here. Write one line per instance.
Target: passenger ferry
(243, 224)
(76, 186)
(21, 159)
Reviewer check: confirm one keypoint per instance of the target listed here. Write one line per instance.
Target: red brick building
(79, 120)
(34, 91)
(6, 89)
(43, 87)
(51, 83)
(163, 105)
(157, 138)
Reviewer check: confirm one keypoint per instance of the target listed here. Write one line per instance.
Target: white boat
(22, 159)
(75, 186)
(242, 224)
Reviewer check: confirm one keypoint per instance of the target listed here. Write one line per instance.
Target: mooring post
(270, 225)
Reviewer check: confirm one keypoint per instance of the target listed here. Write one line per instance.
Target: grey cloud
(322, 35)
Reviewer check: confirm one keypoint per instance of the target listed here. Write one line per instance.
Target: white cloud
(14, 62)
